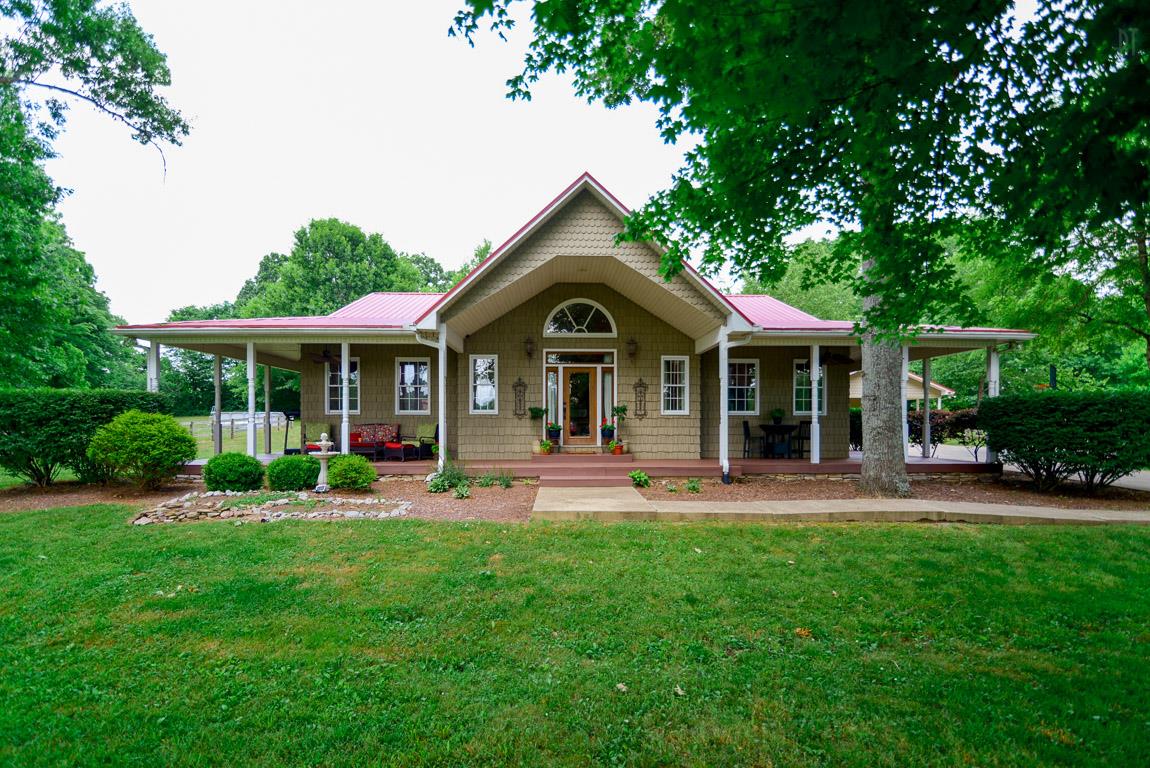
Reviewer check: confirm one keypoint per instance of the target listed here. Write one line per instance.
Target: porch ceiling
(647, 293)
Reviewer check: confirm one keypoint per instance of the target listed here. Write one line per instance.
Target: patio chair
(310, 432)
(393, 445)
(801, 440)
(748, 439)
(426, 436)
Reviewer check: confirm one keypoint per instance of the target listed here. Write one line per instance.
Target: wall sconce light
(632, 347)
(529, 347)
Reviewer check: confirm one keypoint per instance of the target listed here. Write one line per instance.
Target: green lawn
(414, 643)
(235, 439)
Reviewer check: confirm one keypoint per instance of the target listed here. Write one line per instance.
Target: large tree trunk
(884, 452)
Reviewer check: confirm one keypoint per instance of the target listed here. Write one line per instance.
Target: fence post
(231, 427)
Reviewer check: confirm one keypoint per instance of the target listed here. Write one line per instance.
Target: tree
(802, 287)
(433, 276)
(850, 114)
(481, 252)
(331, 264)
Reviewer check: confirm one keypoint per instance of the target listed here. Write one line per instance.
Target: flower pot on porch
(617, 450)
(554, 434)
(777, 419)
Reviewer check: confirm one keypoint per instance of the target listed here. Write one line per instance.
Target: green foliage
(1051, 436)
(448, 478)
(234, 472)
(545, 446)
(505, 479)
(803, 286)
(639, 478)
(42, 430)
(486, 480)
(149, 448)
(693, 485)
(672, 488)
(536, 412)
(293, 473)
(350, 471)
(463, 491)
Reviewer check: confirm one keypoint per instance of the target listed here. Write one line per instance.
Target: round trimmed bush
(293, 473)
(149, 448)
(233, 472)
(350, 471)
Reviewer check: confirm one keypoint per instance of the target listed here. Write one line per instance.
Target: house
(914, 390)
(564, 317)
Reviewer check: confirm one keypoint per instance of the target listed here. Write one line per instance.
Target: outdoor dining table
(778, 436)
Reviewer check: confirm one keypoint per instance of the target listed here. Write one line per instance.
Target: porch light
(632, 347)
(529, 347)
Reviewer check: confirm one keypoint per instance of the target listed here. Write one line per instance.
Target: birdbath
(323, 454)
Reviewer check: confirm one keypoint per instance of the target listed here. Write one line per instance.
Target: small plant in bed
(639, 478)
(350, 471)
(693, 485)
(293, 473)
(233, 472)
(505, 479)
(463, 491)
(486, 480)
(446, 479)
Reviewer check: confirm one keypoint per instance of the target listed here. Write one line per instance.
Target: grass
(413, 643)
(201, 429)
(8, 480)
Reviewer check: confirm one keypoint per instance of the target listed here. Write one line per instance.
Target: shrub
(451, 476)
(486, 480)
(42, 430)
(463, 491)
(639, 478)
(963, 427)
(693, 485)
(350, 471)
(149, 448)
(939, 425)
(1052, 435)
(293, 473)
(505, 479)
(233, 472)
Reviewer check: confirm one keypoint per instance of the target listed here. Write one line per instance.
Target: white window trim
(614, 328)
(426, 360)
(794, 390)
(471, 385)
(327, 389)
(758, 384)
(686, 411)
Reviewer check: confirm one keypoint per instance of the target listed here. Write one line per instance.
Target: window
(675, 392)
(335, 391)
(581, 317)
(485, 384)
(413, 386)
(801, 405)
(743, 387)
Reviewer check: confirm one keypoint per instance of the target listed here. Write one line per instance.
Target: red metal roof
(772, 314)
(399, 308)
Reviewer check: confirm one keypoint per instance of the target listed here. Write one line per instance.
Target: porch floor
(607, 470)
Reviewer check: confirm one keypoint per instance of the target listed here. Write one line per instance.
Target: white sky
(363, 111)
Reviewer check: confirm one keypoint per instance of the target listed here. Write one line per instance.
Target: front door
(579, 406)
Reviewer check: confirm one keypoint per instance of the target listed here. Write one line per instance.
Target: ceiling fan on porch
(327, 357)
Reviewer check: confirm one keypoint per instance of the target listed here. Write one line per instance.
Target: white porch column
(903, 390)
(345, 397)
(926, 407)
(724, 407)
(267, 409)
(992, 387)
(217, 419)
(816, 376)
(251, 398)
(441, 393)
(154, 367)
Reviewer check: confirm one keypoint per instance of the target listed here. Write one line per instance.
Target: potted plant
(545, 447)
(618, 413)
(616, 447)
(777, 415)
(536, 412)
(553, 431)
(607, 430)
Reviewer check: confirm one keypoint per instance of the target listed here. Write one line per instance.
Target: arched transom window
(580, 317)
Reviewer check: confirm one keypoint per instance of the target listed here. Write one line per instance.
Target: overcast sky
(363, 111)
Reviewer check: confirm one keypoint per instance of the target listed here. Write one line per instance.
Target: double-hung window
(413, 386)
(802, 389)
(743, 387)
(335, 391)
(676, 392)
(485, 384)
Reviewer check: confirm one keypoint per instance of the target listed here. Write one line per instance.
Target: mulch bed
(1012, 489)
(20, 498)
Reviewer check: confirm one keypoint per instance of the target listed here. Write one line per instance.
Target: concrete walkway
(613, 504)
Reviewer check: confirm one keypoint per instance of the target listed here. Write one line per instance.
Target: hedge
(42, 430)
(293, 473)
(1053, 435)
(350, 471)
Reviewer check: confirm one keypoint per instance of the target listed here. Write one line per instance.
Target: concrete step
(581, 458)
(583, 481)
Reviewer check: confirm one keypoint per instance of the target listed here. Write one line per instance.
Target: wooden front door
(579, 406)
